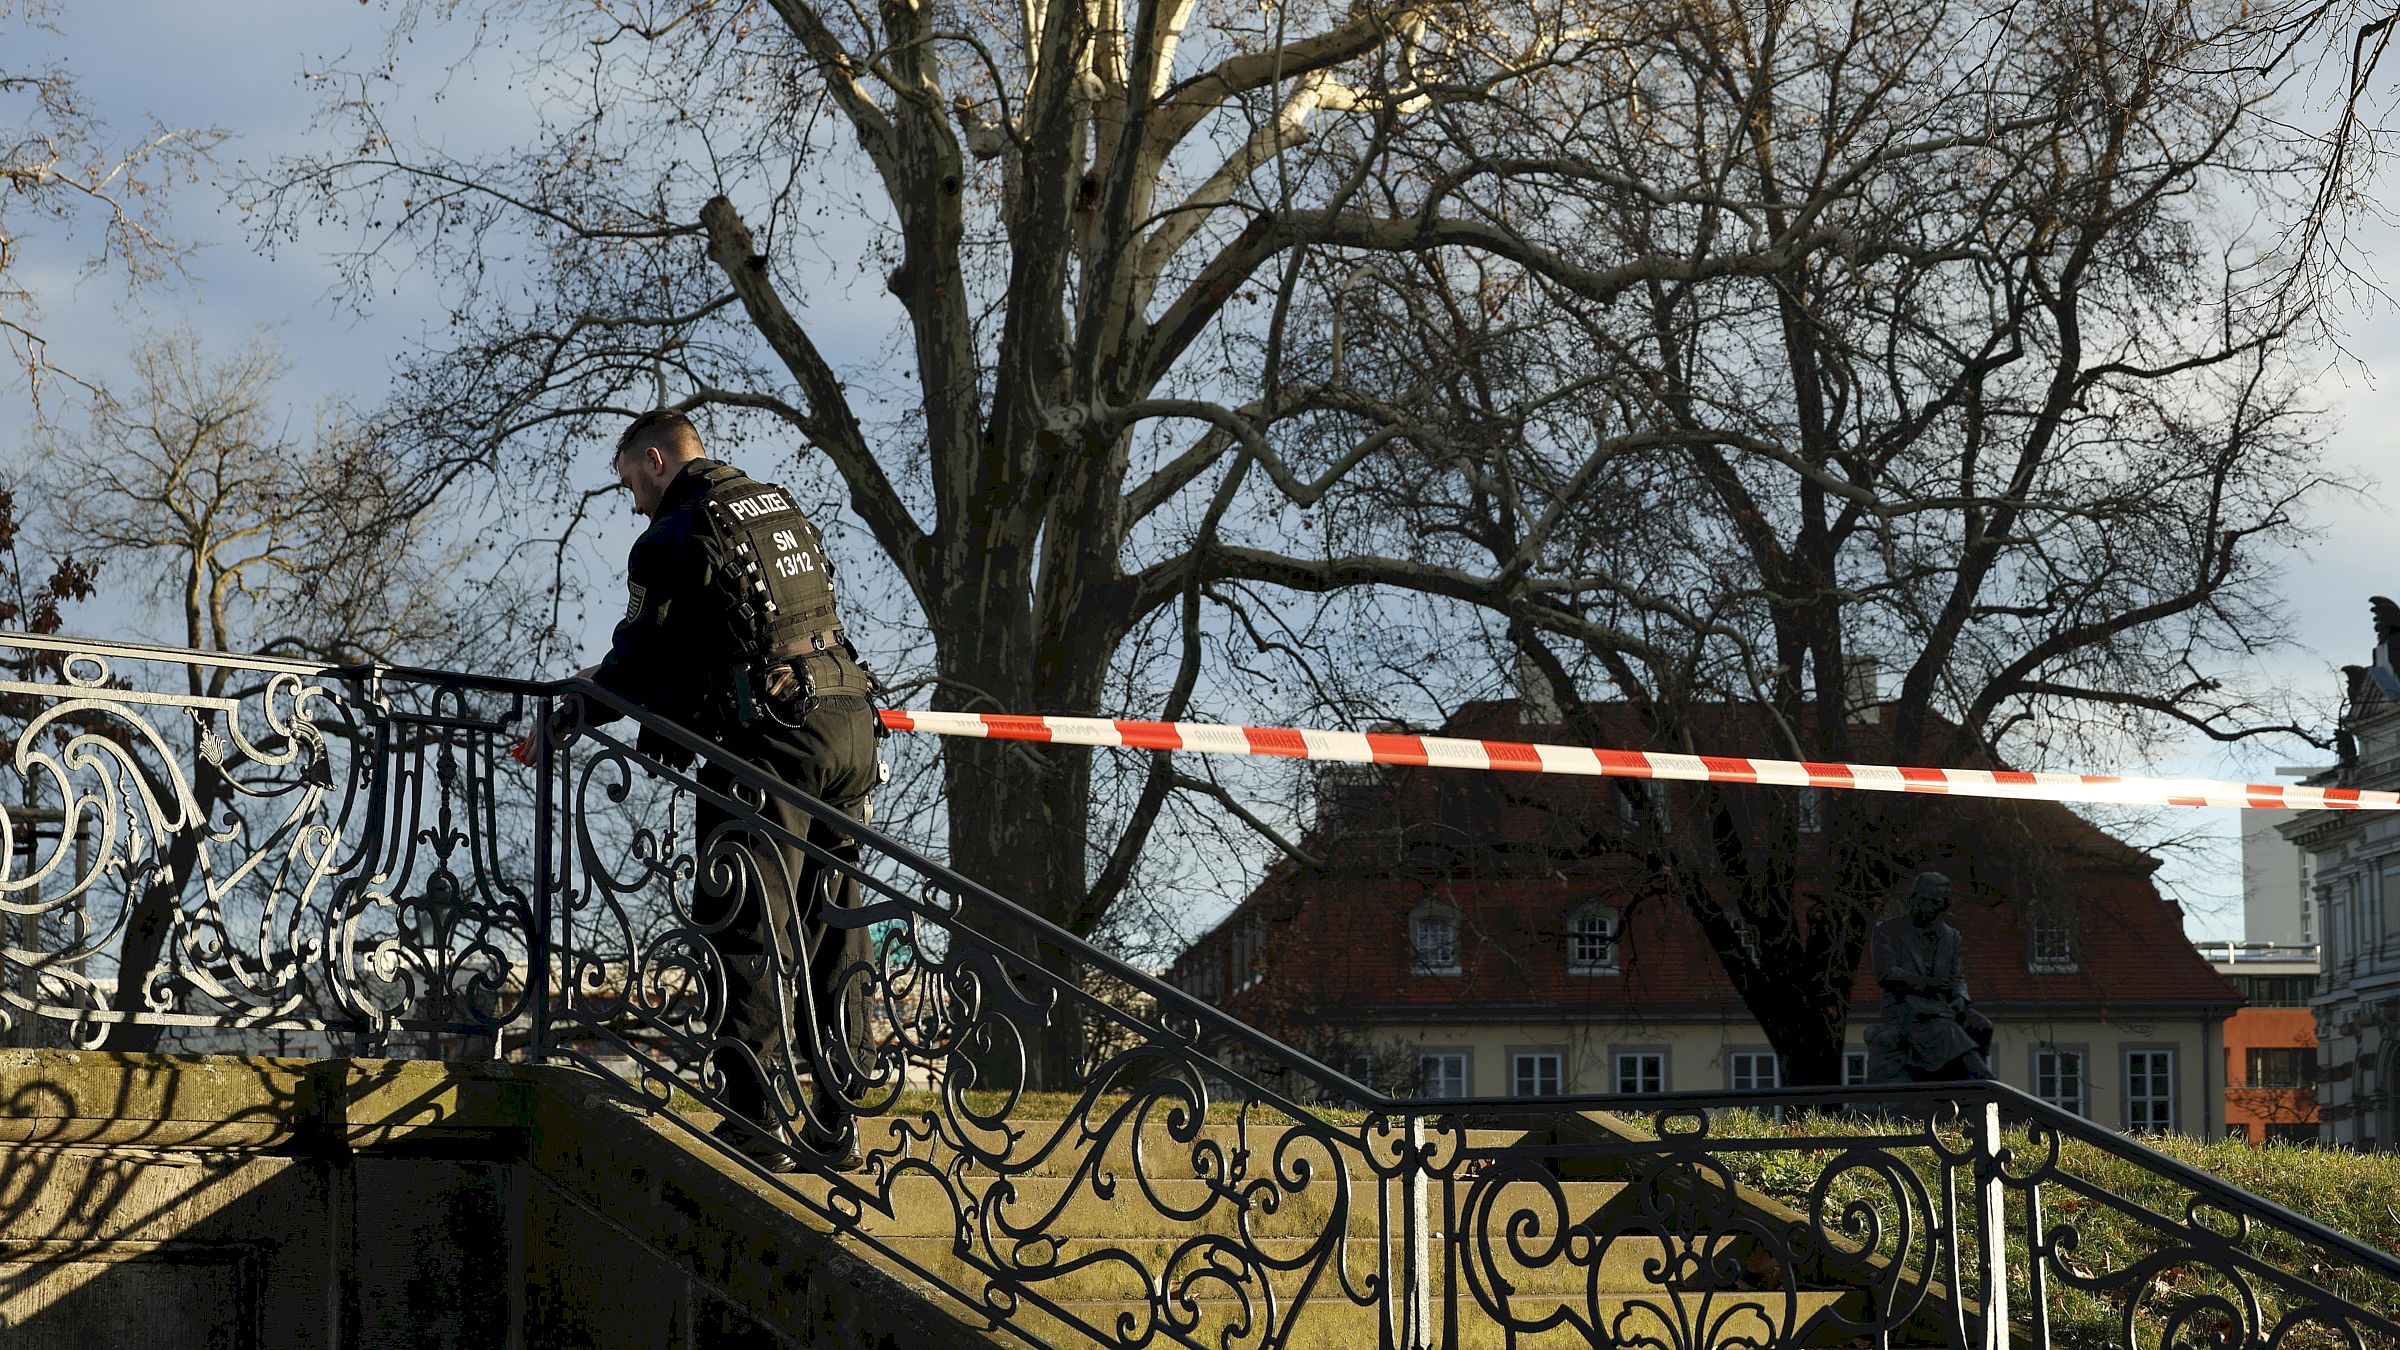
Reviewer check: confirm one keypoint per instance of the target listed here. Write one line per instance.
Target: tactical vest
(771, 562)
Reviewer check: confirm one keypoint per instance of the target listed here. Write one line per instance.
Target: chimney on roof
(1537, 705)
(1862, 696)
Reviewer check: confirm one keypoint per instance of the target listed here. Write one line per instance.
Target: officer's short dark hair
(665, 428)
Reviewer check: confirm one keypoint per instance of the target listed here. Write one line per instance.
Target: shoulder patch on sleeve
(633, 603)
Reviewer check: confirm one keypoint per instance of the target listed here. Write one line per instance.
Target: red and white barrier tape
(1518, 756)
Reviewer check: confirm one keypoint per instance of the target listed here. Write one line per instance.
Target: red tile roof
(1516, 855)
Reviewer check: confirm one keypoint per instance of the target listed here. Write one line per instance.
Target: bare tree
(60, 164)
(192, 490)
(2335, 50)
(1104, 225)
(2022, 450)
(248, 537)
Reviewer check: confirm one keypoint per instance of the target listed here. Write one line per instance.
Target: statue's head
(1928, 898)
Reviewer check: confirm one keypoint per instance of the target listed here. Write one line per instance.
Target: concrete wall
(166, 1203)
(2278, 897)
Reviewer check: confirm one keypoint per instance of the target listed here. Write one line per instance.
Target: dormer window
(1433, 939)
(2052, 950)
(1592, 940)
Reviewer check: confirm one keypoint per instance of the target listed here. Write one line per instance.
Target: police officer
(730, 629)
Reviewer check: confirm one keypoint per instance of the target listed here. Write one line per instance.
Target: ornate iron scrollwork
(334, 861)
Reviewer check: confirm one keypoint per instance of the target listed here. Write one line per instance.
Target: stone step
(1123, 1268)
(1257, 1149)
(1330, 1321)
(921, 1205)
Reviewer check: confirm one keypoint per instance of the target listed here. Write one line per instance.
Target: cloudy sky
(242, 67)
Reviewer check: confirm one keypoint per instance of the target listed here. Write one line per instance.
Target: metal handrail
(426, 811)
(752, 776)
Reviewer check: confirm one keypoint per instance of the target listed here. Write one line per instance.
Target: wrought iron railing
(306, 859)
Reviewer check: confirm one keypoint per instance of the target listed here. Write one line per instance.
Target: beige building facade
(2122, 1074)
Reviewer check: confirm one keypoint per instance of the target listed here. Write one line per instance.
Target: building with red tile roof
(1486, 934)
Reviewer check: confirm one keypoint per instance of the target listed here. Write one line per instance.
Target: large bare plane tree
(1104, 225)
(2031, 458)
(1728, 343)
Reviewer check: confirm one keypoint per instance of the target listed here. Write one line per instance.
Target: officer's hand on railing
(560, 721)
(665, 749)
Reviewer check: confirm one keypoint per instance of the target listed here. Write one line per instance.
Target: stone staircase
(400, 891)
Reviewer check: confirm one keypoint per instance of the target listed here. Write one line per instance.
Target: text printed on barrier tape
(1445, 752)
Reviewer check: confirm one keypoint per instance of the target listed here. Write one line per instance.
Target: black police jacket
(675, 651)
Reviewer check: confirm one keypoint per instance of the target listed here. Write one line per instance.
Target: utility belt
(788, 683)
(787, 686)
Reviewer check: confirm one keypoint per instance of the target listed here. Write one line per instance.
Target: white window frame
(2050, 1061)
(1433, 1073)
(1743, 1064)
(1855, 1066)
(1525, 1067)
(2150, 1110)
(2050, 943)
(1649, 1072)
(1612, 921)
(1418, 919)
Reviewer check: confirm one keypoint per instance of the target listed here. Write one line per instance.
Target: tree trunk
(145, 938)
(1020, 814)
(1811, 1047)
(1017, 822)
(1804, 1007)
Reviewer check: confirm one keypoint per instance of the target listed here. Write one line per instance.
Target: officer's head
(654, 448)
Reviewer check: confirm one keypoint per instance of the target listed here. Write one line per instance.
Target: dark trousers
(775, 943)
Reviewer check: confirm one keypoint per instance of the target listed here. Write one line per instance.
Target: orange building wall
(2250, 1109)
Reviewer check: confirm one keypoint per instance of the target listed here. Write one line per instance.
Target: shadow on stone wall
(154, 1202)
(221, 1203)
